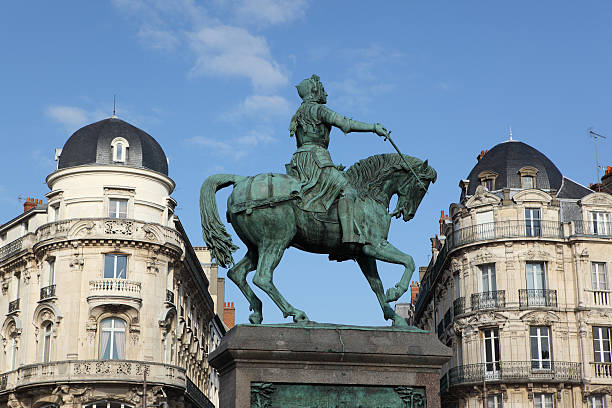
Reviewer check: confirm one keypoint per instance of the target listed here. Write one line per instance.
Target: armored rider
(321, 181)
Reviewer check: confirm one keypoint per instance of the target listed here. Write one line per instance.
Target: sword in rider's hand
(388, 137)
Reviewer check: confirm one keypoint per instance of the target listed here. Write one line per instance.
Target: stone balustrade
(108, 228)
(93, 371)
(115, 286)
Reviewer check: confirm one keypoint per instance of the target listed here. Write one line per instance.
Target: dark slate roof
(507, 158)
(92, 145)
(571, 189)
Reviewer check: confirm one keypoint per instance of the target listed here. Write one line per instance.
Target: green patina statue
(316, 207)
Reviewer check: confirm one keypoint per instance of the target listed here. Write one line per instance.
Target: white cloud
(159, 39)
(232, 51)
(259, 106)
(69, 116)
(237, 148)
(270, 11)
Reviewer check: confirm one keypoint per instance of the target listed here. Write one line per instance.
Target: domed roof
(92, 144)
(507, 158)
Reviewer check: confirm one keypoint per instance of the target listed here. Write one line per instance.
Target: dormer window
(487, 179)
(119, 147)
(528, 177)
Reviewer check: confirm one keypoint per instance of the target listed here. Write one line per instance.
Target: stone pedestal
(328, 366)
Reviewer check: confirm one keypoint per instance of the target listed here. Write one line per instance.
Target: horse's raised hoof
(399, 321)
(392, 294)
(300, 317)
(255, 318)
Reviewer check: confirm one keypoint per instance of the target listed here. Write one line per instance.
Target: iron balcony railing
(458, 306)
(13, 306)
(169, 296)
(489, 300)
(11, 248)
(592, 228)
(514, 371)
(537, 298)
(447, 318)
(506, 229)
(47, 292)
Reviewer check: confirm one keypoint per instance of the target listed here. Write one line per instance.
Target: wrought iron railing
(458, 306)
(47, 292)
(602, 370)
(600, 229)
(537, 298)
(505, 229)
(11, 248)
(447, 318)
(169, 296)
(13, 306)
(514, 371)
(489, 300)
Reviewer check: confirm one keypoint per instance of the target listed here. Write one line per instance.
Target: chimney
(229, 314)
(414, 291)
(422, 271)
(30, 203)
(482, 153)
(606, 181)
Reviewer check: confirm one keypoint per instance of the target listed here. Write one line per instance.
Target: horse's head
(411, 190)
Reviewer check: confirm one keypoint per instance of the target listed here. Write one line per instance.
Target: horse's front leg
(238, 274)
(388, 253)
(368, 267)
(270, 254)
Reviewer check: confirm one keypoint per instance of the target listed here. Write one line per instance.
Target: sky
(214, 83)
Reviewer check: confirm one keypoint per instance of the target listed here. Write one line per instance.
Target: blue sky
(213, 82)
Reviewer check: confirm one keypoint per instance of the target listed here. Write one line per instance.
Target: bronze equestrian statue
(316, 207)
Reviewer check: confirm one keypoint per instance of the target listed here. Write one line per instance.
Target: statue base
(314, 365)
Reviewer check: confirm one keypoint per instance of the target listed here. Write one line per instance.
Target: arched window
(120, 147)
(107, 404)
(46, 345)
(112, 339)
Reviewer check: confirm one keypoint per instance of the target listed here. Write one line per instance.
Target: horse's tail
(213, 231)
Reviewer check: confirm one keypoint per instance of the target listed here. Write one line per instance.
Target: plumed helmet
(310, 88)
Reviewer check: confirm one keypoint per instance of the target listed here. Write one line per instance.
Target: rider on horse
(321, 181)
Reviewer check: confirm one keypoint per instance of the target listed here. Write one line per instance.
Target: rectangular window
(457, 286)
(536, 275)
(484, 225)
(597, 401)
(601, 345)
(489, 184)
(51, 276)
(533, 222)
(117, 208)
(487, 278)
(542, 400)
(527, 182)
(600, 223)
(494, 401)
(540, 347)
(599, 276)
(115, 266)
(490, 342)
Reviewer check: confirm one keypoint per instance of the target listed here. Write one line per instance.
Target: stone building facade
(101, 288)
(518, 286)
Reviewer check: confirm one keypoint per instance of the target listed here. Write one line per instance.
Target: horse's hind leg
(388, 253)
(270, 254)
(238, 274)
(368, 267)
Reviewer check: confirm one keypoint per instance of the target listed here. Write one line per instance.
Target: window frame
(114, 208)
(490, 340)
(600, 352)
(116, 256)
(495, 401)
(538, 362)
(533, 281)
(47, 341)
(600, 222)
(490, 272)
(112, 338)
(119, 141)
(592, 399)
(546, 400)
(533, 226)
(597, 274)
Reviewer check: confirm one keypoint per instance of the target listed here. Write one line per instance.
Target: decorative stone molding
(483, 256)
(540, 318)
(601, 200)
(488, 319)
(482, 198)
(532, 196)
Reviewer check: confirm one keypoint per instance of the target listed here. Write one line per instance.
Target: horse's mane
(369, 174)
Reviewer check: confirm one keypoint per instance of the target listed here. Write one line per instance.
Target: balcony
(593, 229)
(47, 292)
(13, 306)
(114, 291)
(514, 372)
(600, 297)
(11, 248)
(602, 370)
(489, 300)
(169, 296)
(505, 229)
(458, 306)
(531, 298)
(94, 371)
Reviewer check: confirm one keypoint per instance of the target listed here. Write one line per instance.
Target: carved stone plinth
(327, 365)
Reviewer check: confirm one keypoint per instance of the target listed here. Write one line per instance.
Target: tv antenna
(114, 106)
(596, 135)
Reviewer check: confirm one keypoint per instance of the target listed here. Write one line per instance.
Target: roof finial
(510, 133)
(114, 107)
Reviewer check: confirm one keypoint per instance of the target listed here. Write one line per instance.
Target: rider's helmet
(310, 89)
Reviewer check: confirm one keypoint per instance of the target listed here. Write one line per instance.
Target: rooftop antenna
(114, 106)
(595, 135)
(510, 133)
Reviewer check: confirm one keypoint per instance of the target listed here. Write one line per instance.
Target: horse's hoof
(255, 318)
(300, 317)
(392, 294)
(399, 321)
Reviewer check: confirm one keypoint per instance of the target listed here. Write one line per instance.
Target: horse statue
(266, 214)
